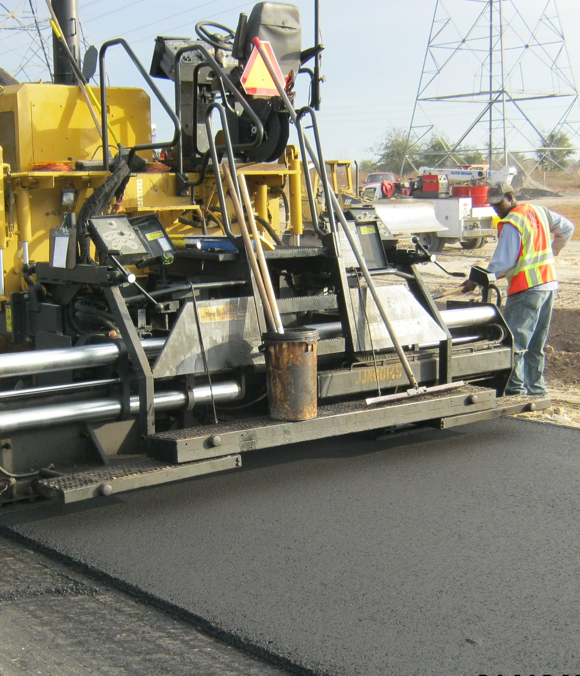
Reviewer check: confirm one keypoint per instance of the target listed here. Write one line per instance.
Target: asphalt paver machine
(162, 311)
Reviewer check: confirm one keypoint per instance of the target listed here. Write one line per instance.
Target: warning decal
(256, 79)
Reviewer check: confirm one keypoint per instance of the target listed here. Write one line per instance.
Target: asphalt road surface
(439, 553)
(57, 622)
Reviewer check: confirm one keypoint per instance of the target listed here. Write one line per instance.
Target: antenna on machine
(499, 70)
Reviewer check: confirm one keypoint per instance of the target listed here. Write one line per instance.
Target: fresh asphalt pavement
(431, 552)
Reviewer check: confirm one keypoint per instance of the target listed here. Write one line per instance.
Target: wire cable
(10, 475)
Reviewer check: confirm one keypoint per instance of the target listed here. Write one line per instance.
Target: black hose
(90, 317)
(188, 221)
(269, 229)
(83, 307)
(73, 321)
(248, 403)
(262, 221)
(280, 191)
(95, 204)
(217, 220)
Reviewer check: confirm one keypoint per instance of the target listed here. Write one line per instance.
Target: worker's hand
(468, 286)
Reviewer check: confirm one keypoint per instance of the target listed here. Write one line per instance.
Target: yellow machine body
(46, 123)
(339, 173)
(43, 127)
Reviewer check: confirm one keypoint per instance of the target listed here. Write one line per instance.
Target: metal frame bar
(138, 358)
(103, 79)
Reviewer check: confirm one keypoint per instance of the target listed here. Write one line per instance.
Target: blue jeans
(528, 315)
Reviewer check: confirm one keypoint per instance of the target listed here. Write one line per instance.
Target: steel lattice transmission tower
(496, 79)
(25, 40)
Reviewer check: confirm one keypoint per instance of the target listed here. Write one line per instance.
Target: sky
(372, 62)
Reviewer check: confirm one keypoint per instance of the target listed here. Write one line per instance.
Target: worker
(525, 256)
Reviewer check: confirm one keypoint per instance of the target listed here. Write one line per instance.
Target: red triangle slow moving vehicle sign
(256, 79)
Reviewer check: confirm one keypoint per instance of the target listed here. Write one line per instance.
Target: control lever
(433, 259)
(485, 281)
(132, 279)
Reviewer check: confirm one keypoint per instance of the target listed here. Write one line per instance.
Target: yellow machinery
(160, 314)
(44, 130)
(49, 143)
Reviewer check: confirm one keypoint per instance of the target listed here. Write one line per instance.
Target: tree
(555, 149)
(368, 165)
(434, 152)
(469, 155)
(390, 151)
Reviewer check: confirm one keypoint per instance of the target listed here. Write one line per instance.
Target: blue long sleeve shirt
(510, 241)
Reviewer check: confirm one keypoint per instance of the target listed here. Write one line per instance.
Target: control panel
(132, 240)
(115, 235)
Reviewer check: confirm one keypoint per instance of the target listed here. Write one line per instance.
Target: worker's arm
(507, 251)
(562, 230)
(505, 255)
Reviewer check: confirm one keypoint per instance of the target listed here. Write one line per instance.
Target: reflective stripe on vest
(535, 264)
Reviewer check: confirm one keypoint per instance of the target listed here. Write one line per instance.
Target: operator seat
(279, 24)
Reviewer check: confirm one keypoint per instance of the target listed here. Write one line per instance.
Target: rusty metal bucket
(292, 374)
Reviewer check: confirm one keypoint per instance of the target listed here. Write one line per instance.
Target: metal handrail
(102, 74)
(216, 165)
(196, 150)
(318, 145)
(308, 179)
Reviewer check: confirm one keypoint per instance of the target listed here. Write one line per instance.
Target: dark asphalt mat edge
(245, 645)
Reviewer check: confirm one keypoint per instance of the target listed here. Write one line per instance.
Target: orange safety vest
(535, 264)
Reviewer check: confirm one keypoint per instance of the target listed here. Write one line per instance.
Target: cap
(497, 191)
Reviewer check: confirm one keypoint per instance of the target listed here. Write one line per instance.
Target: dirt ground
(563, 351)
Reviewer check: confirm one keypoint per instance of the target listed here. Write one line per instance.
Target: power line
(171, 16)
(40, 37)
(119, 9)
(88, 4)
(225, 11)
(518, 53)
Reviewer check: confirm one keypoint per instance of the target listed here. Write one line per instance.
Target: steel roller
(62, 359)
(109, 408)
(47, 361)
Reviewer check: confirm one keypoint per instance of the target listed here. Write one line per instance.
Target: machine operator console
(131, 240)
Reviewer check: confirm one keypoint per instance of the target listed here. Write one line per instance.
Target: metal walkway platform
(187, 453)
(249, 434)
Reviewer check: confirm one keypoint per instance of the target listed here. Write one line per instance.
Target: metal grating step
(127, 476)
(504, 406)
